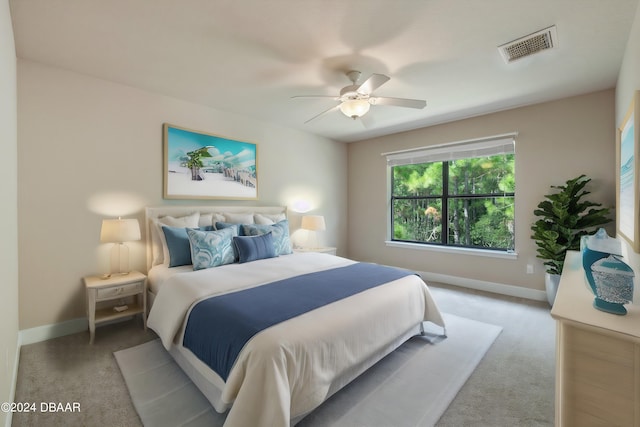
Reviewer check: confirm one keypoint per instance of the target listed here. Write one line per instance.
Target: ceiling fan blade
(317, 96)
(398, 102)
(372, 83)
(337, 107)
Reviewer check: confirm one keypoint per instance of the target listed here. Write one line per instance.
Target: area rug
(413, 386)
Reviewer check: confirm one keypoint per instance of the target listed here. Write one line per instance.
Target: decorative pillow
(159, 245)
(178, 245)
(238, 218)
(208, 219)
(280, 231)
(252, 248)
(269, 219)
(220, 225)
(211, 248)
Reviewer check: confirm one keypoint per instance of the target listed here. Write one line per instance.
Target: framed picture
(627, 171)
(199, 165)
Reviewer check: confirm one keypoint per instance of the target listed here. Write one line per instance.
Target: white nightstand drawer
(120, 291)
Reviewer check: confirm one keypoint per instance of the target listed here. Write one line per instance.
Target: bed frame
(203, 377)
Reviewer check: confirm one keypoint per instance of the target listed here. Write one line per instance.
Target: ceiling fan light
(355, 108)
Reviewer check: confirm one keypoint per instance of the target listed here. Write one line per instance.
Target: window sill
(453, 250)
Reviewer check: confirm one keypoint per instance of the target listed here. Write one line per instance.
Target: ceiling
(251, 56)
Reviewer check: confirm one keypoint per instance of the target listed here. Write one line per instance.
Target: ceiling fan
(356, 99)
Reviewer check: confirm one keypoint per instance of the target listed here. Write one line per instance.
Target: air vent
(528, 45)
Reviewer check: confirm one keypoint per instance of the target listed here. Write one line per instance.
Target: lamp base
(119, 260)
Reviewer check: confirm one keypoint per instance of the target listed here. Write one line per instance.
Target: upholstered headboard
(206, 216)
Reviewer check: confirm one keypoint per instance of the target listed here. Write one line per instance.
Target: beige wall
(557, 141)
(628, 82)
(9, 212)
(91, 149)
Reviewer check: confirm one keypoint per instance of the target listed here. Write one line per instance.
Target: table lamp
(119, 231)
(313, 223)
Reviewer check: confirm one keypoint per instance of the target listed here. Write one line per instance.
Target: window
(459, 195)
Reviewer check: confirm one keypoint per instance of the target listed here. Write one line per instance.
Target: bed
(298, 352)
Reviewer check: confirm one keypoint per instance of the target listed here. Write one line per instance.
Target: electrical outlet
(529, 268)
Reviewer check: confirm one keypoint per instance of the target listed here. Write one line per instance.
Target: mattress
(301, 361)
(161, 272)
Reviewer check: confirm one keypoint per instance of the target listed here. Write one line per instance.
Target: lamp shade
(313, 222)
(119, 230)
(355, 107)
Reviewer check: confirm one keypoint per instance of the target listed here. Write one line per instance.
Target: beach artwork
(199, 165)
(627, 179)
(627, 210)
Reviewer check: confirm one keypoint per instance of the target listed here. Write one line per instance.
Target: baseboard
(68, 327)
(481, 285)
(47, 332)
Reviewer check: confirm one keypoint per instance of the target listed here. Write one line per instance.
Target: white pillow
(238, 218)
(159, 244)
(269, 219)
(209, 219)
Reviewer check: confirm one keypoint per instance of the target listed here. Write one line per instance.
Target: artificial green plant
(563, 218)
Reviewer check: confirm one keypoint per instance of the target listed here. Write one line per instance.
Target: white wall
(628, 82)
(557, 141)
(91, 149)
(9, 211)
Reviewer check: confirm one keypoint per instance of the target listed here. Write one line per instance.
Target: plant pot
(551, 282)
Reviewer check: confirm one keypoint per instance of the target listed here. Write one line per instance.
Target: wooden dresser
(597, 356)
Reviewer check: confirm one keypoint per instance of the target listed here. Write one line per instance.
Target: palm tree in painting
(194, 161)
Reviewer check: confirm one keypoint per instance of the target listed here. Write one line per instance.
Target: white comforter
(290, 368)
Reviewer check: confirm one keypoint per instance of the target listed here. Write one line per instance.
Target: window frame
(446, 153)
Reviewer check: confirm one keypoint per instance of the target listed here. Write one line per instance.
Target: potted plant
(563, 218)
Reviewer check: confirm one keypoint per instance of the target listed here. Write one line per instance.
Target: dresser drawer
(120, 291)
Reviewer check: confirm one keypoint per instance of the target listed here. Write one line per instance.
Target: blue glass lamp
(610, 279)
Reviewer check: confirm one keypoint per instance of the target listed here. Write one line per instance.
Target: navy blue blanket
(219, 327)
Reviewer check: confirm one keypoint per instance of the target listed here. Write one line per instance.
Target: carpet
(412, 386)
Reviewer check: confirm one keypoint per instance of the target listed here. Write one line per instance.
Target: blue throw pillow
(211, 248)
(221, 225)
(252, 248)
(178, 245)
(280, 232)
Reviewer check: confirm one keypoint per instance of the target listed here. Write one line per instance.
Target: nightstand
(325, 250)
(113, 288)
